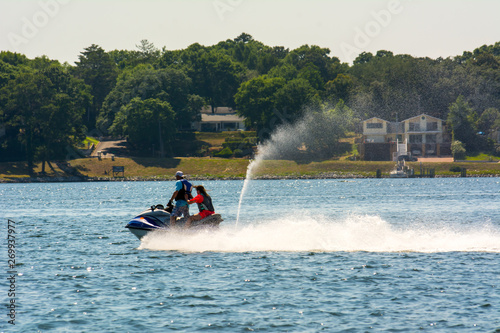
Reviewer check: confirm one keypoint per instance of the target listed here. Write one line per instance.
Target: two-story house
(425, 135)
(376, 130)
(422, 135)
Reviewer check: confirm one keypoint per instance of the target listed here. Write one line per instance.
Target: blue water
(395, 255)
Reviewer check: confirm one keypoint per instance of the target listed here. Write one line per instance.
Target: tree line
(148, 95)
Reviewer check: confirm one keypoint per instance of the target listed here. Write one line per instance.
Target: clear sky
(61, 29)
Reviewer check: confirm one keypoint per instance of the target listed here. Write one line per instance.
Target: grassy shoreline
(145, 169)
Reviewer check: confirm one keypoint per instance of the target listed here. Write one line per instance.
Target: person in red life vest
(205, 206)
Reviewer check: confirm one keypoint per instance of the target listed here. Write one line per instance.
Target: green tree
(324, 128)
(461, 121)
(126, 59)
(458, 150)
(489, 121)
(46, 106)
(97, 69)
(168, 85)
(286, 71)
(384, 53)
(215, 74)
(13, 58)
(215, 77)
(145, 53)
(256, 100)
(253, 55)
(311, 73)
(340, 88)
(270, 58)
(22, 101)
(310, 57)
(391, 87)
(363, 58)
(150, 122)
(7, 73)
(148, 53)
(191, 111)
(292, 98)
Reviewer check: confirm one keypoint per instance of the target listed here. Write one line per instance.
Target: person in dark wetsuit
(181, 195)
(205, 205)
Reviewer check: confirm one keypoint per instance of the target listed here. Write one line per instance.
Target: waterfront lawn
(214, 168)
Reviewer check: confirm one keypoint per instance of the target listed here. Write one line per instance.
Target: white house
(221, 119)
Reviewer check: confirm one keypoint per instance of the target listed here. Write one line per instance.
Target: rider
(205, 206)
(181, 195)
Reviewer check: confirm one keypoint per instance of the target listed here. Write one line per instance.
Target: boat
(398, 173)
(158, 218)
(401, 156)
(401, 170)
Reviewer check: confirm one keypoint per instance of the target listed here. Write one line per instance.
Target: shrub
(226, 152)
(455, 169)
(458, 150)
(238, 153)
(203, 151)
(233, 145)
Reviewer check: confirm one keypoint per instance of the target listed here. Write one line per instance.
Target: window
(431, 138)
(374, 125)
(395, 127)
(432, 126)
(414, 127)
(415, 138)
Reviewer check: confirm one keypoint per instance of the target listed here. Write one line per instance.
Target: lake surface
(395, 255)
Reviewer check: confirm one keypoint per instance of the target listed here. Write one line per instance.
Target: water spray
(279, 143)
(318, 128)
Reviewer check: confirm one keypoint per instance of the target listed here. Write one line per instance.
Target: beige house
(422, 135)
(220, 119)
(376, 130)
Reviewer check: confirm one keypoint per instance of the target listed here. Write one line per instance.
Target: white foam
(321, 234)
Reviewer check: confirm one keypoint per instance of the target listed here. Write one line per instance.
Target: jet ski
(158, 218)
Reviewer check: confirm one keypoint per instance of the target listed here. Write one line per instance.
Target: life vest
(206, 204)
(186, 188)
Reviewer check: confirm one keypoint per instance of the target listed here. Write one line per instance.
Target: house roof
(422, 115)
(221, 118)
(375, 118)
(217, 110)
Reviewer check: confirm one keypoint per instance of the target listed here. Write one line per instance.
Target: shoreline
(76, 179)
(135, 169)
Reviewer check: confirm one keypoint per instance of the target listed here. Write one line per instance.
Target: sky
(62, 29)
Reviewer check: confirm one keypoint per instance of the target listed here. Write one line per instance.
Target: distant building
(376, 130)
(423, 135)
(221, 119)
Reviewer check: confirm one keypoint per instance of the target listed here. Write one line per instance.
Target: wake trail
(321, 234)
